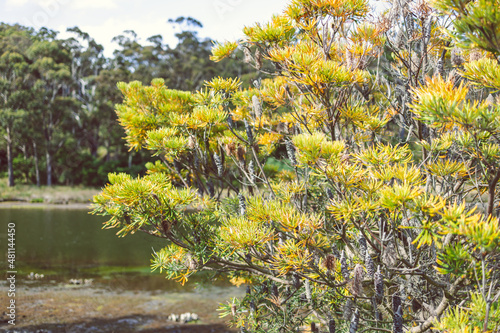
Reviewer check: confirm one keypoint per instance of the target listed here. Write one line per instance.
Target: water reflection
(68, 244)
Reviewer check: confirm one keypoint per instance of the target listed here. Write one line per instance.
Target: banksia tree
(388, 155)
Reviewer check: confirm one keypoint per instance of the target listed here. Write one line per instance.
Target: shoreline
(57, 196)
(43, 205)
(62, 308)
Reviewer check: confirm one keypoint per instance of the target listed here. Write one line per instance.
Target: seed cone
(247, 55)
(370, 266)
(258, 59)
(243, 206)
(398, 321)
(308, 291)
(249, 132)
(475, 55)
(362, 246)
(440, 67)
(379, 285)
(357, 286)
(330, 262)
(230, 122)
(210, 188)
(290, 150)
(348, 309)
(257, 106)
(375, 308)
(240, 153)
(331, 326)
(296, 281)
(251, 172)
(343, 266)
(329, 194)
(396, 302)
(253, 308)
(218, 164)
(354, 322)
(389, 256)
(335, 251)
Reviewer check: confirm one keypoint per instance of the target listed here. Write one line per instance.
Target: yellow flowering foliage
(175, 261)
(268, 143)
(141, 202)
(238, 232)
(274, 91)
(166, 141)
(147, 108)
(394, 197)
(291, 256)
(438, 100)
(484, 72)
(228, 86)
(277, 32)
(444, 167)
(346, 210)
(359, 171)
(302, 9)
(223, 50)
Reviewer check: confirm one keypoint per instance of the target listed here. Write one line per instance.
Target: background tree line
(57, 97)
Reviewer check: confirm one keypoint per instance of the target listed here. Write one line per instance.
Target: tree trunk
(9, 158)
(48, 157)
(25, 151)
(108, 154)
(37, 171)
(94, 145)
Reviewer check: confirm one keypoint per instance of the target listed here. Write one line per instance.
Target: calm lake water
(68, 244)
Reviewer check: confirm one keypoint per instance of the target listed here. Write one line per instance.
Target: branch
(491, 191)
(262, 170)
(249, 268)
(439, 310)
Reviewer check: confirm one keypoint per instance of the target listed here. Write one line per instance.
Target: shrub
(357, 233)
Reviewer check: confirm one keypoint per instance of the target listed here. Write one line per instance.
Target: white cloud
(105, 19)
(112, 27)
(16, 3)
(94, 4)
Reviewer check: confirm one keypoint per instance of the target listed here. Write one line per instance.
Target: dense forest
(57, 97)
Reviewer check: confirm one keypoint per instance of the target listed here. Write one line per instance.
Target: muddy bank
(33, 205)
(69, 308)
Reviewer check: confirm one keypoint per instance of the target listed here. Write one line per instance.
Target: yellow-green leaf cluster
(223, 50)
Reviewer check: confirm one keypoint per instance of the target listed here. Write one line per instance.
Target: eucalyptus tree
(51, 67)
(14, 80)
(87, 64)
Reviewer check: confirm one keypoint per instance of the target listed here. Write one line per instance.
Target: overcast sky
(104, 19)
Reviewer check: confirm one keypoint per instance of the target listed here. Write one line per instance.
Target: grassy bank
(45, 194)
